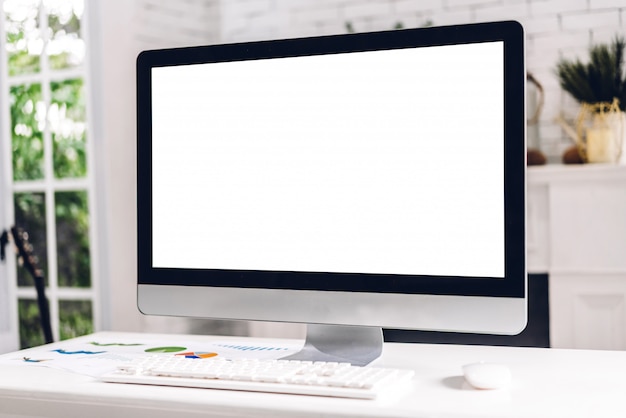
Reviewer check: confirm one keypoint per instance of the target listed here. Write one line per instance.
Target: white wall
(124, 29)
(555, 28)
(114, 58)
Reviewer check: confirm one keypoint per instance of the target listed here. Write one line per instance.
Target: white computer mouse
(487, 375)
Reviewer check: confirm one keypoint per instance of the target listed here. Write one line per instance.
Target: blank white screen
(385, 162)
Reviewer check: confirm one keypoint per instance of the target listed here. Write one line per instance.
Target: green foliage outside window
(27, 122)
(23, 37)
(75, 318)
(30, 326)
(72, 226)
(72, 235)
(67, 123)
(63, 26)
(30, 214)
(21, 61)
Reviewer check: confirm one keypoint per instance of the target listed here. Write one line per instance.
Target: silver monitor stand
(357, 345)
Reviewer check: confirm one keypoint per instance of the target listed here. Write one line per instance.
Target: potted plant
(600, 87)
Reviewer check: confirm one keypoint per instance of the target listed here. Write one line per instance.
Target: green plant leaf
(601, 80)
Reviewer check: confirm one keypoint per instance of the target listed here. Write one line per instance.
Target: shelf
(575, 172)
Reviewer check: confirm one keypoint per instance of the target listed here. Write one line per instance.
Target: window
(47, 159)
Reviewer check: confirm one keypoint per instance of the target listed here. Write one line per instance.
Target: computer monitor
(352, 182)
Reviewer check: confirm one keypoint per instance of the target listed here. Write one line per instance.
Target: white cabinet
(576, 233)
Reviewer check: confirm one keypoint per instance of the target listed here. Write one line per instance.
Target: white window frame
(9, 336)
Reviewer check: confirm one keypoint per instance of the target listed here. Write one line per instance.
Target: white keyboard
(277, 376)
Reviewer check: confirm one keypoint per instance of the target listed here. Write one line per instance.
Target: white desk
(546, 382)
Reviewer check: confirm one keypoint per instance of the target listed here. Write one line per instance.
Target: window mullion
(58, 75)
(91, 176)
(49, 179)
(70, 184)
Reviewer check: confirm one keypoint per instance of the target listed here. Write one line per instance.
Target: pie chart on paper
(197, 354)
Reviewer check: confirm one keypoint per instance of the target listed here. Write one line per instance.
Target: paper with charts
(95, 358)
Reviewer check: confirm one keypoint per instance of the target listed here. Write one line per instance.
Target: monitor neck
(356, 345)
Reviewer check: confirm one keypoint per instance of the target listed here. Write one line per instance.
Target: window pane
(72, 224)
(24, 42)
(28, 118)
(31, 333)
(67, 124)
(75, 318)
(65, 47)
(30, 215)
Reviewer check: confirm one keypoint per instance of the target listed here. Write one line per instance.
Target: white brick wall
(555, 29)
(168, 24)
(557, 7)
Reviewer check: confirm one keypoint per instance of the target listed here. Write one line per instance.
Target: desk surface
(546, 382)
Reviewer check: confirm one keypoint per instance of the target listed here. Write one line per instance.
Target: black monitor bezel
(514, 282)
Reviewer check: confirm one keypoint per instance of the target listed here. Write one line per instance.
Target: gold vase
(600, 132)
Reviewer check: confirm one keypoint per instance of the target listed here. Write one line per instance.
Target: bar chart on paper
(234, 350)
